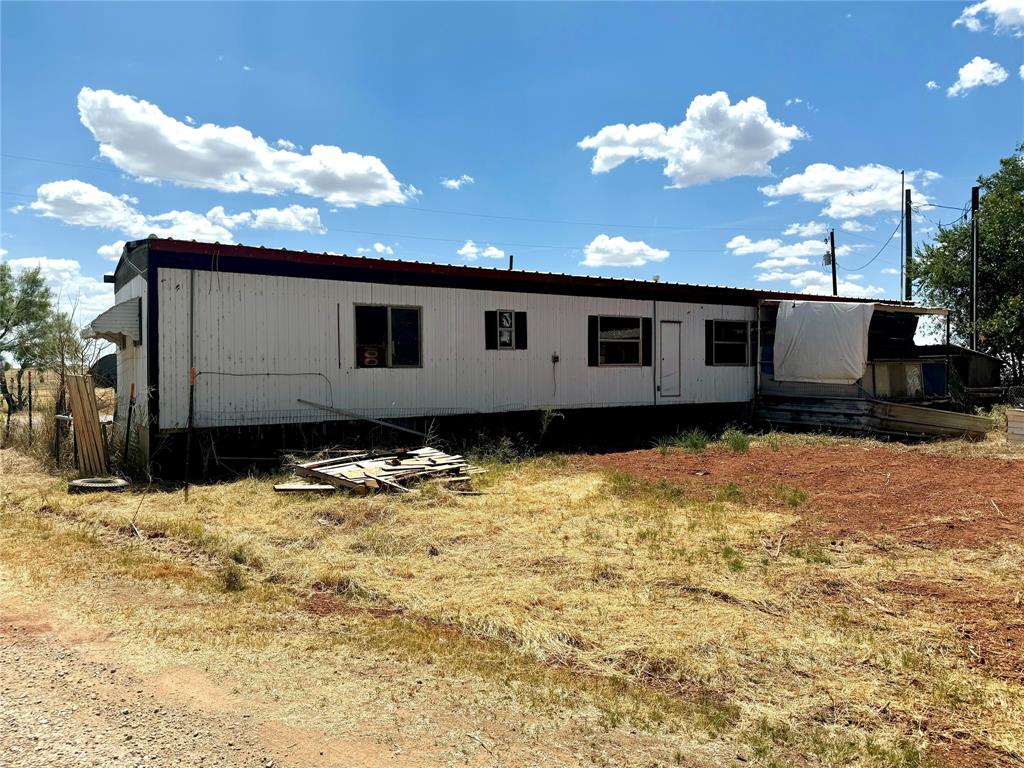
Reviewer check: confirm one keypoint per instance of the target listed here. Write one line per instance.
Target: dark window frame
(639, 341)
(493, 328)
(712, 343)
(389, 344)
(512, 345)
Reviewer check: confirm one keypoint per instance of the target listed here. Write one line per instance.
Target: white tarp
(825, 342)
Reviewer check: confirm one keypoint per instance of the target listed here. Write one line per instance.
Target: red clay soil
(990, 623)
(856, 492)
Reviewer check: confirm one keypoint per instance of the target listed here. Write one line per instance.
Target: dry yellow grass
(572, 617)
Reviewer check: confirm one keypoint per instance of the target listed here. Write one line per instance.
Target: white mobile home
(215, 336)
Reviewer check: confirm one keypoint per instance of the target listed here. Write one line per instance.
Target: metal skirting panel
(869, 415)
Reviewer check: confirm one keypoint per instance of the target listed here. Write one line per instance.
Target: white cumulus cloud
(978, 71)
(471, 251)
(741, 245)
(810, 229)
(458, 182)
(811, 281)
(112, 251)
(716, 140)
(890, 271)
(294, 218)
(378, 248)
(849, 193)
(81, 204)
(604, 251)
(786, 261)
(1007, 16)
(855, 226)
(931, 85)
(141, 140)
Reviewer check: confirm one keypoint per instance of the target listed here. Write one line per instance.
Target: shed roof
(261, 260)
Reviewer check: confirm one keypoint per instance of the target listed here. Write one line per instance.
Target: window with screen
(728, 342)
(504, 329)
(619, 340)
(387, 337)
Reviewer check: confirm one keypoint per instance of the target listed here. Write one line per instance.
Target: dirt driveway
(857, 492)
(65, 701)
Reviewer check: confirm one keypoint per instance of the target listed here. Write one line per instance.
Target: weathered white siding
(132, 368)
(703, 383)
(260, 343)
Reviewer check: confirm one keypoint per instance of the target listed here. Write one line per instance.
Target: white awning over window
(824, 342)
(119, 324)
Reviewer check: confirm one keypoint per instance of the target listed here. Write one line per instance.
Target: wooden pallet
(367, 473)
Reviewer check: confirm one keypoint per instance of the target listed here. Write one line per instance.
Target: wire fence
(1015, 396)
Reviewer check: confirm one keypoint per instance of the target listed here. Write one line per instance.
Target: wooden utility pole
(832, 251)
(975, 191)
(908, 244)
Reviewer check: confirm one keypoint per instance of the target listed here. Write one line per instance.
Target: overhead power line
(961, 217)
(879, 253)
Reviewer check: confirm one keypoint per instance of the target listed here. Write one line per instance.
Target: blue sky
(680, 140)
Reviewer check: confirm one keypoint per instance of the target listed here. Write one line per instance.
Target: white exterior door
(670, 357)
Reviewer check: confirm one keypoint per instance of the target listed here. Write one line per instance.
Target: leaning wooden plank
(86, 459)
(302, 487)
(92, 457)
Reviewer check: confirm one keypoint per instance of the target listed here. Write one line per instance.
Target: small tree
(26, 309)
(942, 271)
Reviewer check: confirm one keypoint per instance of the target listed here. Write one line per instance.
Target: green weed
(737, 440)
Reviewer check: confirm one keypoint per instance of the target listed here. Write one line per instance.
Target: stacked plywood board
(1015, 426)
(364, 473)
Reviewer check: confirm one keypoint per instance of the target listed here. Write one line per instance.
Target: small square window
(505, 329)
(729, 343)
(387, 337)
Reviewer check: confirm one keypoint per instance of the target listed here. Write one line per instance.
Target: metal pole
(832, 249)
(188, 440)
(975, 191)
(903, 194)
(909, 248)
(128, 425)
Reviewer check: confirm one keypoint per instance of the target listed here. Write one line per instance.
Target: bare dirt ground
(856, 492)
(66, 700)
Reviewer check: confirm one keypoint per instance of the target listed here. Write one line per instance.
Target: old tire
(96, 484)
